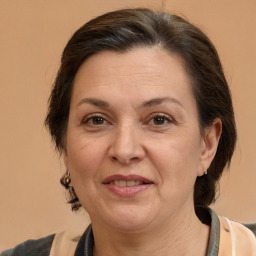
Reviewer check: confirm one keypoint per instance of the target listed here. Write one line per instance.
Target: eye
(160, 120)
(95, 120)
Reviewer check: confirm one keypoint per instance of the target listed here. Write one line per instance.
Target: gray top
(40, 247)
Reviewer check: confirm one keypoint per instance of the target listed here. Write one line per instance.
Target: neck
(183, 235)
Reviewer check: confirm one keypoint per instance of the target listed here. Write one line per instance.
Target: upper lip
(126, 178)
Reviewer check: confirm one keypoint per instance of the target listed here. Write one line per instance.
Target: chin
(130, 226)
(130, 220)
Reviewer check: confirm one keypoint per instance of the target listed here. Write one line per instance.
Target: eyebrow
(150, 103)
(159, 101)
(95, 102)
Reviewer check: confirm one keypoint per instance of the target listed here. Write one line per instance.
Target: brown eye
(160, 120)
(94, 121)
(97, 120)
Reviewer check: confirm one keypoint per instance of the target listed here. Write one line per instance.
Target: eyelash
(89, 120)
(165, 118)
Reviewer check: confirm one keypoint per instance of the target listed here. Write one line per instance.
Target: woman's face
(133, 143)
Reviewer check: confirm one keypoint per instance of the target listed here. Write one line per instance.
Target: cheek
(85, 158)
(176, 160)
(85, 162)
(177, 170)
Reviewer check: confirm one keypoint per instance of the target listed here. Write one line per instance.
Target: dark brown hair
(123, 30)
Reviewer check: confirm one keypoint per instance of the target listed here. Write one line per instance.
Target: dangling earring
(65, 180)
(205, 171)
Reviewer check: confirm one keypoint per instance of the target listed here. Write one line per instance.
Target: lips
(127, 186)
(123, 183)
(129, 178)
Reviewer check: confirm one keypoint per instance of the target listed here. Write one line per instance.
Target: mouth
(123, 183)
(126, 181)
(127, 186)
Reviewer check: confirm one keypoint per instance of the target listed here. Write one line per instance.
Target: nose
(126, 146)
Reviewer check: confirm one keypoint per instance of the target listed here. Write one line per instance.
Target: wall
(33, 34)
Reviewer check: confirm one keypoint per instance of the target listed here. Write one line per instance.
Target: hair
(126, 29)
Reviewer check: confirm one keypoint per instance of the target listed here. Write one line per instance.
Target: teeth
(133, 183)
(120, 183)
(123, 183)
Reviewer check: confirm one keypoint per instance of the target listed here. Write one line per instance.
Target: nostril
(114, 158)
(125, 160)
(134, 159)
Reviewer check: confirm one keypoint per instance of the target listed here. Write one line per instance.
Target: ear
(210, 141)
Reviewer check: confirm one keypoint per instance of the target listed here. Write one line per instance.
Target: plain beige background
(33, 34)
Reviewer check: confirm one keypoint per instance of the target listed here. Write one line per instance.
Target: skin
(116, 126)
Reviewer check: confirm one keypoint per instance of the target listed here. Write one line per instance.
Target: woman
(142, 113)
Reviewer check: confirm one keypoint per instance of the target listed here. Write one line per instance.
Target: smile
(123, 183)
(127, 186)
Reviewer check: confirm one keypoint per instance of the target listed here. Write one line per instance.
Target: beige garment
(235, 240)
(64, 244)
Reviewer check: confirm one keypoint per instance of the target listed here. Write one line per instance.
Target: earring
(65, 180)
(205, 171)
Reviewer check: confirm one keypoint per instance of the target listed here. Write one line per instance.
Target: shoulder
(39, 247)
(245, 238)
(236, 237)
(64, 243)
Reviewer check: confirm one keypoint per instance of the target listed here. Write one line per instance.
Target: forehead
(146, 59)
(137, 70)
